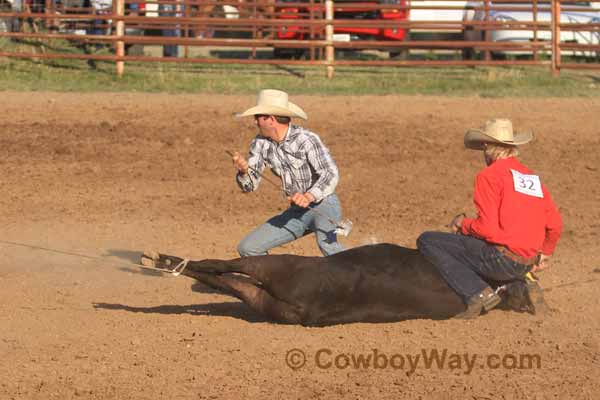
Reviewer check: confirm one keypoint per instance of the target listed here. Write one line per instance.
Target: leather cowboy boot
(486, 300)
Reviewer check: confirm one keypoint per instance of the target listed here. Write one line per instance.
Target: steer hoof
(151, 254)
(147, 262)
(160, 261)
(149, 259)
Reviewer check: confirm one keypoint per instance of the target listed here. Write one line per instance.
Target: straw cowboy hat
(274, 102)
(498, 131)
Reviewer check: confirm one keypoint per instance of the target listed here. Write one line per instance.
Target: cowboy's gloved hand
(456, 223)
(542, 264)
(240, 163)
(302, 200)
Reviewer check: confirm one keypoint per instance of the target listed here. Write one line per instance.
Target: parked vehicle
(578, 13)
(343, 9)
(453, 17)
(97, 7)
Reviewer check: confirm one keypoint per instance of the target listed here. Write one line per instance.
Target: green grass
(76, 75)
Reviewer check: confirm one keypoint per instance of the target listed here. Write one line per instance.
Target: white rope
(175, 271)
(180, 267)
(500, 289)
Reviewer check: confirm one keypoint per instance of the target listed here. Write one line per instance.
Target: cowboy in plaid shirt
(308, 174)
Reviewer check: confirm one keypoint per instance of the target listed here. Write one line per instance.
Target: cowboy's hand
(302, 200)
(456, 223)
(542, 264)
(240, 163)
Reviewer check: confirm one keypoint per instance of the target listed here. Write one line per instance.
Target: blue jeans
(465, 261)
(169, 10)
(97, 27)
(294, 223)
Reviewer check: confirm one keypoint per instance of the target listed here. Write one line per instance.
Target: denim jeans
(465, 261)
(170, 10)
(98, 28)
(294, 223)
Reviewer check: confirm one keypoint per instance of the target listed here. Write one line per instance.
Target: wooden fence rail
(310, 32)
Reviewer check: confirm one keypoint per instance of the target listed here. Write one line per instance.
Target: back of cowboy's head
(498, 131)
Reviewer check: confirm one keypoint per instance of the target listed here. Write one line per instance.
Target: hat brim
(292, 111)
(476, 138)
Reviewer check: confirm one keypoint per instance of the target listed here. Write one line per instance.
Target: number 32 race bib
(527, 184)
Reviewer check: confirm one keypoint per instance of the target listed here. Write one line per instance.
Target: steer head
(525, 296)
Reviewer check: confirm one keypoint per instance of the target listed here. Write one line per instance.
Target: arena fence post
(535, 30)
(120, 31)
(329, 50)
(487, 33)
(555, 37)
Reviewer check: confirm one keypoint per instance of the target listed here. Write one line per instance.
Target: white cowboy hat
(499, 130)
(274, 102)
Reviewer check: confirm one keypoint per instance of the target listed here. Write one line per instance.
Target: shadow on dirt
(226, 309)
(133, 257)
(125, 255)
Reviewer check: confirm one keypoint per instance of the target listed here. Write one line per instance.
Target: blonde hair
(495, 151)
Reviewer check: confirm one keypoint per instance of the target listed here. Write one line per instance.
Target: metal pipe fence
(556, 33)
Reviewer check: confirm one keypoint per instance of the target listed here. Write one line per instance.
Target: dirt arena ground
(114, 174)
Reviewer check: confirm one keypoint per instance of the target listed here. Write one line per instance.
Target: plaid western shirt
(301, 160)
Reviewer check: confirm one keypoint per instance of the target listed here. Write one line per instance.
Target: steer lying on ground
(374, 283)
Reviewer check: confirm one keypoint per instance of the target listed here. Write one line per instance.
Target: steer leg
(254, 296)
(271, 272)
(220, 275)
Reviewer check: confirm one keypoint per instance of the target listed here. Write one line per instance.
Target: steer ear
(535, 294)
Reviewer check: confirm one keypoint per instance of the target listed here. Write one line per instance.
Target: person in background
(171, 10)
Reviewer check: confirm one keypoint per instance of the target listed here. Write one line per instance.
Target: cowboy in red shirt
(516, 229)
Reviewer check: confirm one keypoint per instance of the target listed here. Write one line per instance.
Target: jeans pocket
(498, 266)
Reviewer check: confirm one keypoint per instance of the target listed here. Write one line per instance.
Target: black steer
(376, 283)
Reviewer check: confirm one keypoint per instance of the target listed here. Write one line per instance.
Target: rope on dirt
(574, 283)
(175, 272)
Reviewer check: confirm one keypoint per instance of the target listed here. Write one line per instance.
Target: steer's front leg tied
(179, 268)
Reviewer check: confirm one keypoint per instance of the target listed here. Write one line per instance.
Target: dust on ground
(115, 174)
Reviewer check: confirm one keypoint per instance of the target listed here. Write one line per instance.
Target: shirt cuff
(317, 194)
(465, 226)
(245, 182)
(548, 248)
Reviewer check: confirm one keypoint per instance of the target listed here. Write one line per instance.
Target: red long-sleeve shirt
(514, 210)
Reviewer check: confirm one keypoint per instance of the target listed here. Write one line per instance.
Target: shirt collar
(287, 134)
(290, 135)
